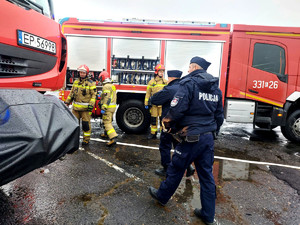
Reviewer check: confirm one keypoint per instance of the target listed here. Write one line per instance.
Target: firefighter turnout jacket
(83, 94)
(155, 85)
(108, 100)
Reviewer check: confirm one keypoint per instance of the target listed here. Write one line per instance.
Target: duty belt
(194, 138)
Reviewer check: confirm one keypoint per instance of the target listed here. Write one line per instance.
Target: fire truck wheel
(132, 117)
(291, 130)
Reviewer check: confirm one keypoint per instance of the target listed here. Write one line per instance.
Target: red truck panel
(13, 18)
(250, 83)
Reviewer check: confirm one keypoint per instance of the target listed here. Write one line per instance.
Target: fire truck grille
(19, 62)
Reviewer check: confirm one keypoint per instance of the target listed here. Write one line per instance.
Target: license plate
(32, 41)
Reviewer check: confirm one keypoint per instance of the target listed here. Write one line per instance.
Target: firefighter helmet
(83, 68)
(104, 77)
(159, 67)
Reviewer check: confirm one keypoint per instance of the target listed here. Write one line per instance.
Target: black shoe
(84, 143)
(190, 171)
(151, 136)
(153, 193)
(161, 172)
(197, 212)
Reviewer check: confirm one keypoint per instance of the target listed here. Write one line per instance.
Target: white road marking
(258, 162)
(119, 169)
(216, 157)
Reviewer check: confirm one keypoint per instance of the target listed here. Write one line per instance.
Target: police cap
(174, 73)
(201, 62)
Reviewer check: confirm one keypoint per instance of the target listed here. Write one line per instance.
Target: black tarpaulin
(35, 130)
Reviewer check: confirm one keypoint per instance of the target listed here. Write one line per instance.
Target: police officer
(155, 85)
(83, 95)
(108, 104)
(196, 112)
(164, 98)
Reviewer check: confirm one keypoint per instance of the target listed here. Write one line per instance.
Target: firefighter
(164, 98)
(196, 113)
(83, 95)
(108, 104)
(155, 85)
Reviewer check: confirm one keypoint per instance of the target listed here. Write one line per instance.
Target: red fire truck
(32, 47)
(258, 66)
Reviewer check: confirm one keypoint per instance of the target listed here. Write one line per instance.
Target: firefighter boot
(104, 135)
(84, 143)
(190, 171)
(162, 171)
(151, 136)
(111, 142)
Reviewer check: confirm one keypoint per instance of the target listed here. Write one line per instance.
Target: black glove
(90, 108)
(150, 103)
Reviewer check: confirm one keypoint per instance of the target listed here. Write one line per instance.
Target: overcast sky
(257, 12)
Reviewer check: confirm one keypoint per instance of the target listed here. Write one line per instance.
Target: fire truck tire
(263, 125)
(291, 130)
(132, 117)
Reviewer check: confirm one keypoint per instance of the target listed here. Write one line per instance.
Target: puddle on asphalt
(188, 193)
(224, 170)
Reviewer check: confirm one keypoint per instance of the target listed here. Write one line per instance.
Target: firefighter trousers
(155, 114)
(85, 117)
(107, 122)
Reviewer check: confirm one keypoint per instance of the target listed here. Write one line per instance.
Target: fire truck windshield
(41, 6)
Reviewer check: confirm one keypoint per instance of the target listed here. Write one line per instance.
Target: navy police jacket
(197, 104)
(165, 96)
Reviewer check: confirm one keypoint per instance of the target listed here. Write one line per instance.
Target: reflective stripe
(106, 91)
(104, 105)
(110, 131)
(69, 97)
(81, 86)
(156, 85)
(80, 106)
(85, 87)
(112, 106)
(153, 129)
(160, 85)
(93, 100)
(86, 134)
(81, 103)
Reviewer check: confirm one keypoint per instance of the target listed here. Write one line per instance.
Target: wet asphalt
(102, 185)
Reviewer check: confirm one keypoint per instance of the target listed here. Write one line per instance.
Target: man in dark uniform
(164, 98)
(196, 113)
